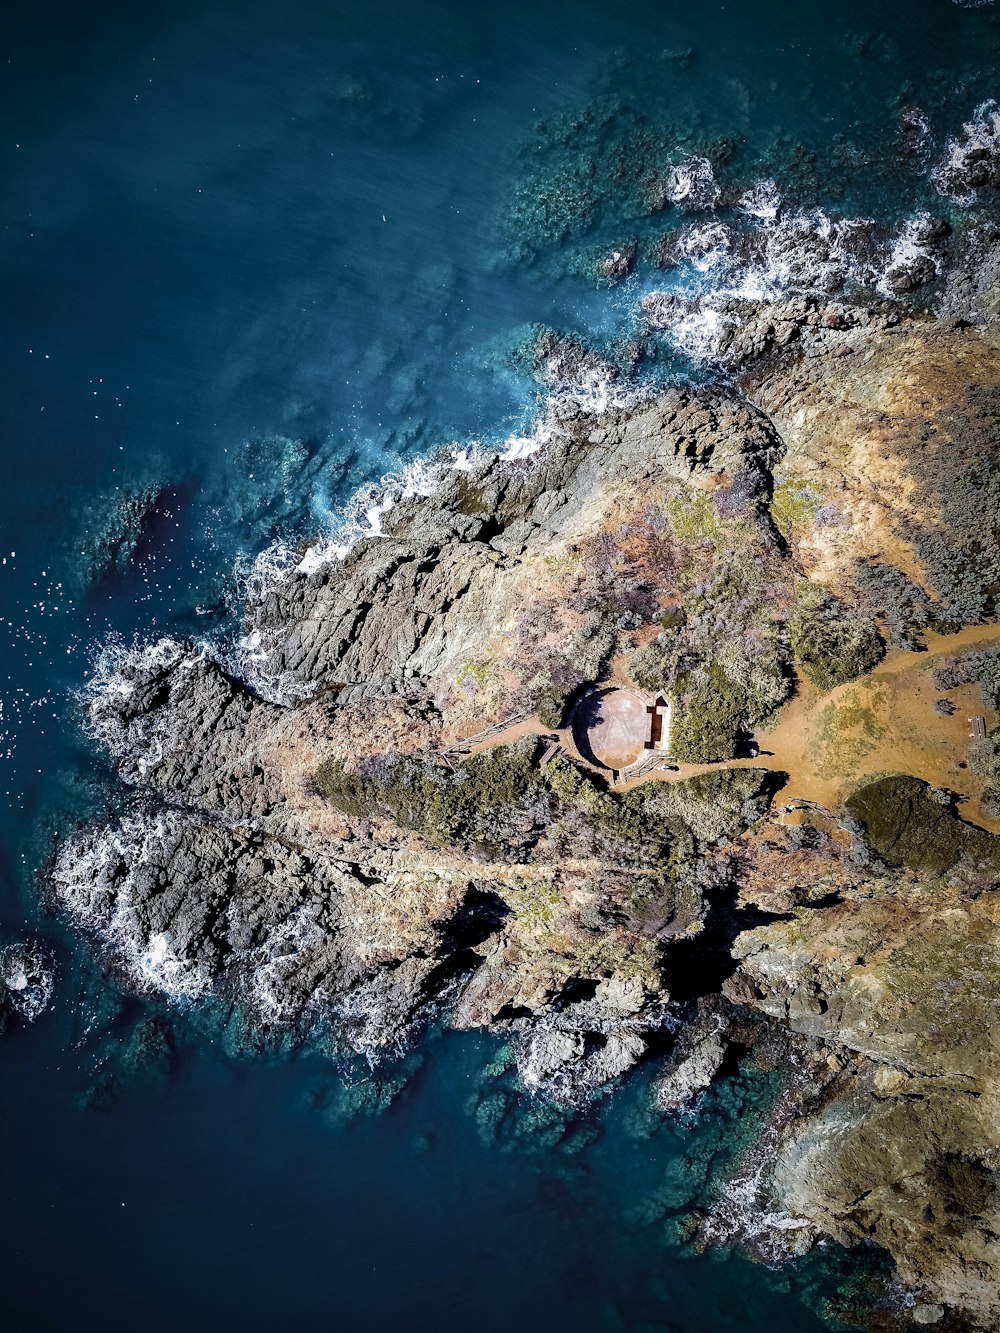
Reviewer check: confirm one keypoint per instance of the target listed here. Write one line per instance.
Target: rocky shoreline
(304, 845)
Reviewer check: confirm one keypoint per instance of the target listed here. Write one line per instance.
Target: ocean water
(255, 257)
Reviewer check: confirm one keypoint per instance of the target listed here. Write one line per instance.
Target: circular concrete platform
(611, 727)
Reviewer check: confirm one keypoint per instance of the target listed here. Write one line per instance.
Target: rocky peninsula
(385, 806)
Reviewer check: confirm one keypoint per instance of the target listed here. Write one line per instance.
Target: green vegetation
(794, 506)
(984, 760)
(646, 837)
(714, 702)
(907, 826)
(663, 823)
(482, 804)
(693, 517)
(550, 705)
(832, 642)
(499, 800)
(900, 606)
(479, 674)
(710, 712)
(594, 643)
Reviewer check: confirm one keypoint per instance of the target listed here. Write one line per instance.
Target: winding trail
(827, 744)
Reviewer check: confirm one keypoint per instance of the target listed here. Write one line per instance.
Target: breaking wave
(131, 737)
(27, 979)
(971, 161)
(92, 878)
(722, 274)
(745, 1212)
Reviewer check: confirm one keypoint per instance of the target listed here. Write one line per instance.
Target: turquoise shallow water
(323, 226)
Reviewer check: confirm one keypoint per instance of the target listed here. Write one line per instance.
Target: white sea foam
(359, 518)
(804, 253)
(745, 1211)
(762, 200)
(700, 332)
(27, 979)
(97, 880)
(692, 184)
(916, 130)
(972, 158)
(912, 259)
(116, 671)
(808, 253)
(115, 664)
(595, 390)
(705, 245)
(93, 878)
(278, 957)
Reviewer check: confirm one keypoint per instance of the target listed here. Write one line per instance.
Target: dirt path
(418, 864)
(883, 722)
(828, 743)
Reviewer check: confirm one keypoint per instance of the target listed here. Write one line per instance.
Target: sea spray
(27, 980)
(598, 389)
(971, 160)
(88, 883)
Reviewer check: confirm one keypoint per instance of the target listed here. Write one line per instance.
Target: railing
(464, 746)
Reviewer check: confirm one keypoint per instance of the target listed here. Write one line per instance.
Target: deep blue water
(253, 256)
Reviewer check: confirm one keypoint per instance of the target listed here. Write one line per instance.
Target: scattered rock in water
(971, 162)
(138, 1062)
(695, 1060)
(27, 981)
(689, 185)
(618, 263)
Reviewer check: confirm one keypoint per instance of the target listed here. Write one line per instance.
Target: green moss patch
(794, 506)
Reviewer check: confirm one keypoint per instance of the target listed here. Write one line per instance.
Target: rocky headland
(382, 807)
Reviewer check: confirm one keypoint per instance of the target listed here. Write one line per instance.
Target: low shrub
(550, 705)
(832, 642)
(482, 804)
(906, 826)
(664, 823)
(710, 710)
(641, 833)
(896, 601)
(965, 1184)
(983, 667)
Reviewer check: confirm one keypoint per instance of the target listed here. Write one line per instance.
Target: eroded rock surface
(237, 876)
(315, 838)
